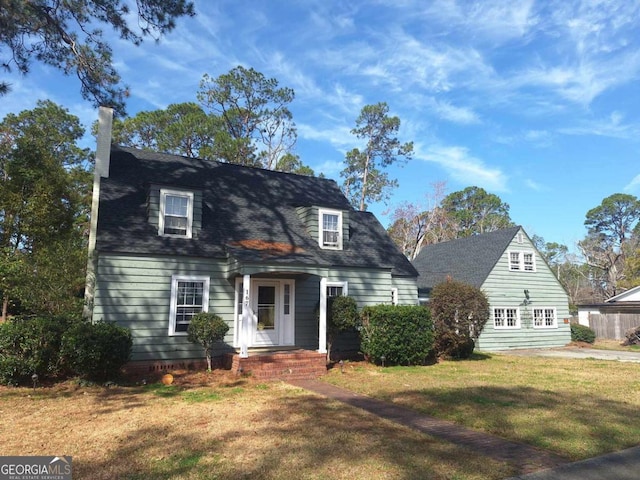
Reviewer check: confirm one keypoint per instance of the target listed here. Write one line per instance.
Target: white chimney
(101, 169)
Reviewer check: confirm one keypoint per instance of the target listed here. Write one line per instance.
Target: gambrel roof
(249, 214)
(468, 260)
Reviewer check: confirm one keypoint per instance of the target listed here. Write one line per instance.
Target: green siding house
(174, 236)
(529, 306)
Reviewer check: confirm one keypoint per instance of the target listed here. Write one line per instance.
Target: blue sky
(536, 102)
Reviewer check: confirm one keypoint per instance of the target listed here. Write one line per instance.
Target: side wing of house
(529, 306)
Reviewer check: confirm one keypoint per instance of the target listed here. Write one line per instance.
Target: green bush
(459, 313)
(582, 333)
(28, 346)
(403, 335)
(206, 329)
(96, 351)
(342, 315)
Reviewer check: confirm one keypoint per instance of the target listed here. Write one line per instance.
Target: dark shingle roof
(241, 207)
(468, 260)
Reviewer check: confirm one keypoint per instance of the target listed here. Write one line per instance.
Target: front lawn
(576, 408)
(218, 427)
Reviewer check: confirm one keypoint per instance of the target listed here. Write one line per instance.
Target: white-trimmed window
(545, 317)
(176, 213)
(330, 229)
(189, 295)
(506, 317)
(337, 289)
(522, 261)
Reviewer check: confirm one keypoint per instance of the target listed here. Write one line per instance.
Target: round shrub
(459, 312)
(206, 329)
(582, 333)
(30, 345)
(403, 334)
(96, 351)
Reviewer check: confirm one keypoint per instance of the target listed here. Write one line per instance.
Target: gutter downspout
(101, 169)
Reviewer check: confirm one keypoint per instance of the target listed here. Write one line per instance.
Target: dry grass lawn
(576, 408)
(218, 427)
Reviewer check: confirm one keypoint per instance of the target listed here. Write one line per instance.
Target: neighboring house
(529, 306)
(614, 317)
(262, 249)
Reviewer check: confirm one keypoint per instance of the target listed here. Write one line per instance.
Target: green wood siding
(135, 292)
(505, 288)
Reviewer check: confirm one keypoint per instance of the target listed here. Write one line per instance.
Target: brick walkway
(524, 457)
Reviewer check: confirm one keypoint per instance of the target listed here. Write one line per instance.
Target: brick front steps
(281, 365)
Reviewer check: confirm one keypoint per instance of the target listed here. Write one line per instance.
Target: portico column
(322, 327)
(245, 331)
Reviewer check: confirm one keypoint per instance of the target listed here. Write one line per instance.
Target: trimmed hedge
(96, 351)
(582, 333)
(402, 334)
(31, 345)
(51, 347)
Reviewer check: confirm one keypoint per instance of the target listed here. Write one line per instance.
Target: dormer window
(330, 229)
(176, 213)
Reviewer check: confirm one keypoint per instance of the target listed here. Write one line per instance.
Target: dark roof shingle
(240, 205)
(468, 260)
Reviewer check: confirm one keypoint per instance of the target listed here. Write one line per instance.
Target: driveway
(577, 352)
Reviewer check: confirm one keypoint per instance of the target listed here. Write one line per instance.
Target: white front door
(271, 312)
(267, 312)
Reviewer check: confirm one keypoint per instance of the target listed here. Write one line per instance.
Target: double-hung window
(545, 317)
(505, 317)
(189, 296)
(522, 261)
(176, 213)
(330, 229)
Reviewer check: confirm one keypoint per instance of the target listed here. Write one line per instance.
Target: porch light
(527, 298)
(34, 378)
(382, 359)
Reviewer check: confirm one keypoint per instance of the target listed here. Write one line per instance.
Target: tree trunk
(208, 353)
(5, 308)
(365, 176)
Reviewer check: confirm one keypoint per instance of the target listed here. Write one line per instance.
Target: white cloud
(633, 185)
(455, 114)
(464, 167)
(612, 126)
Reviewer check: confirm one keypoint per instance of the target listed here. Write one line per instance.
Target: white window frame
(164, 193)
(175, 279)
(321, 213)
(521, 266)
(344, 285)
(505, 326)
(543, 325)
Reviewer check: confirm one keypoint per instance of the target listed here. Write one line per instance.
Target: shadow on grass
(296, 436)
(575, 426)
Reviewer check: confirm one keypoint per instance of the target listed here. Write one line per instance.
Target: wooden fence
(613, 325)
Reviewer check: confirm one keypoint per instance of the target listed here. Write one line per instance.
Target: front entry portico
(265, 312)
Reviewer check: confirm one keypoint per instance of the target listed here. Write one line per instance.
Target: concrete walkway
(574, 352)
(623, 465)
(524, 457)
